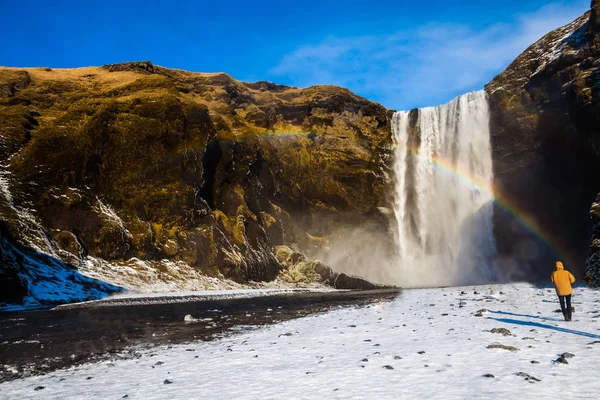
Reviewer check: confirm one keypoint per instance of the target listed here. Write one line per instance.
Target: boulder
(501, 331)
(343, 281)
(299, 269)
(503, 347)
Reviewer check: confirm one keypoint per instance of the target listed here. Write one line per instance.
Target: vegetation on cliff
(138, 161)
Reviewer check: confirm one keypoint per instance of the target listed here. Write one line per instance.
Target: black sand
(35, 342)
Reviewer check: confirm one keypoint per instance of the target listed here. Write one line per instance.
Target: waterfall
(443, 202)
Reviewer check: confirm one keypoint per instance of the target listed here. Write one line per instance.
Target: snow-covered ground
(425, 344)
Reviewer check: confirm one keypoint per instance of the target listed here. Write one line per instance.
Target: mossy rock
(282, 161)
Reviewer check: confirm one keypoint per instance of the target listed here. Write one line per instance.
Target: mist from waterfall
(442, 204)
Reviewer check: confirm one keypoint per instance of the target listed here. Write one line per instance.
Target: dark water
(35, 342)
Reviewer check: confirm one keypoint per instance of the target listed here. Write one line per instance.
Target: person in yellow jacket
(562, 280)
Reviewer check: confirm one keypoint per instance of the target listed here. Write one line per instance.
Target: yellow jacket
(562, 280)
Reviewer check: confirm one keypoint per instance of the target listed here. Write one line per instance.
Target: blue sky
(403, 54)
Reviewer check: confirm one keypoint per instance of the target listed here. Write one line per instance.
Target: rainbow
(499, 198)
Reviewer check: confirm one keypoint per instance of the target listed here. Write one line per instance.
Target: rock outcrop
(592, 272)
(299, 269)
(546, 147)
(32, 279)
(142, 167)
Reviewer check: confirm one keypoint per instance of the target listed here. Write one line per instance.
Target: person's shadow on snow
(527, 316)
(540, 325)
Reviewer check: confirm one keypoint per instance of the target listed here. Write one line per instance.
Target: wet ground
(34, 342)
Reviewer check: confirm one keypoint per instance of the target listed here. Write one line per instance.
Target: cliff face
(142, 173)
(546, 145)
(592, 273)
(161, 179)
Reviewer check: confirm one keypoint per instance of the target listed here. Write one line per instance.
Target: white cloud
(424, 66)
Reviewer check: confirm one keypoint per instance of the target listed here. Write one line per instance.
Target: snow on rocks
(419, 354)
(5, 186)
(110, 215)
(189, 319)
(141, 277)
(561, 360)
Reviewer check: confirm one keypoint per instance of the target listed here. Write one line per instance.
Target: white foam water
(443, 202)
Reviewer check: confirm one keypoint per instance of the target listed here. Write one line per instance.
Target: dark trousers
(565, 310)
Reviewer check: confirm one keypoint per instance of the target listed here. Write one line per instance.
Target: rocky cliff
(159, 179)
(138, 174)
(592, 272)
(546, 146)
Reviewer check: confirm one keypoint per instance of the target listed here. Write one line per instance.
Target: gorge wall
(158, 179)
(545, 119)
(137, 174)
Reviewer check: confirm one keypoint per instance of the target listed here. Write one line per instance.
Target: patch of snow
(152, 276)
(422, 345)
(110, 215)
(568, 36)
(50, 281)
(145, 279)
(189, 319)
(497, 89)
(4, 186)
(25, 218)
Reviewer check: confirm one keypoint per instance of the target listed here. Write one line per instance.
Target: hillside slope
(135, 173)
